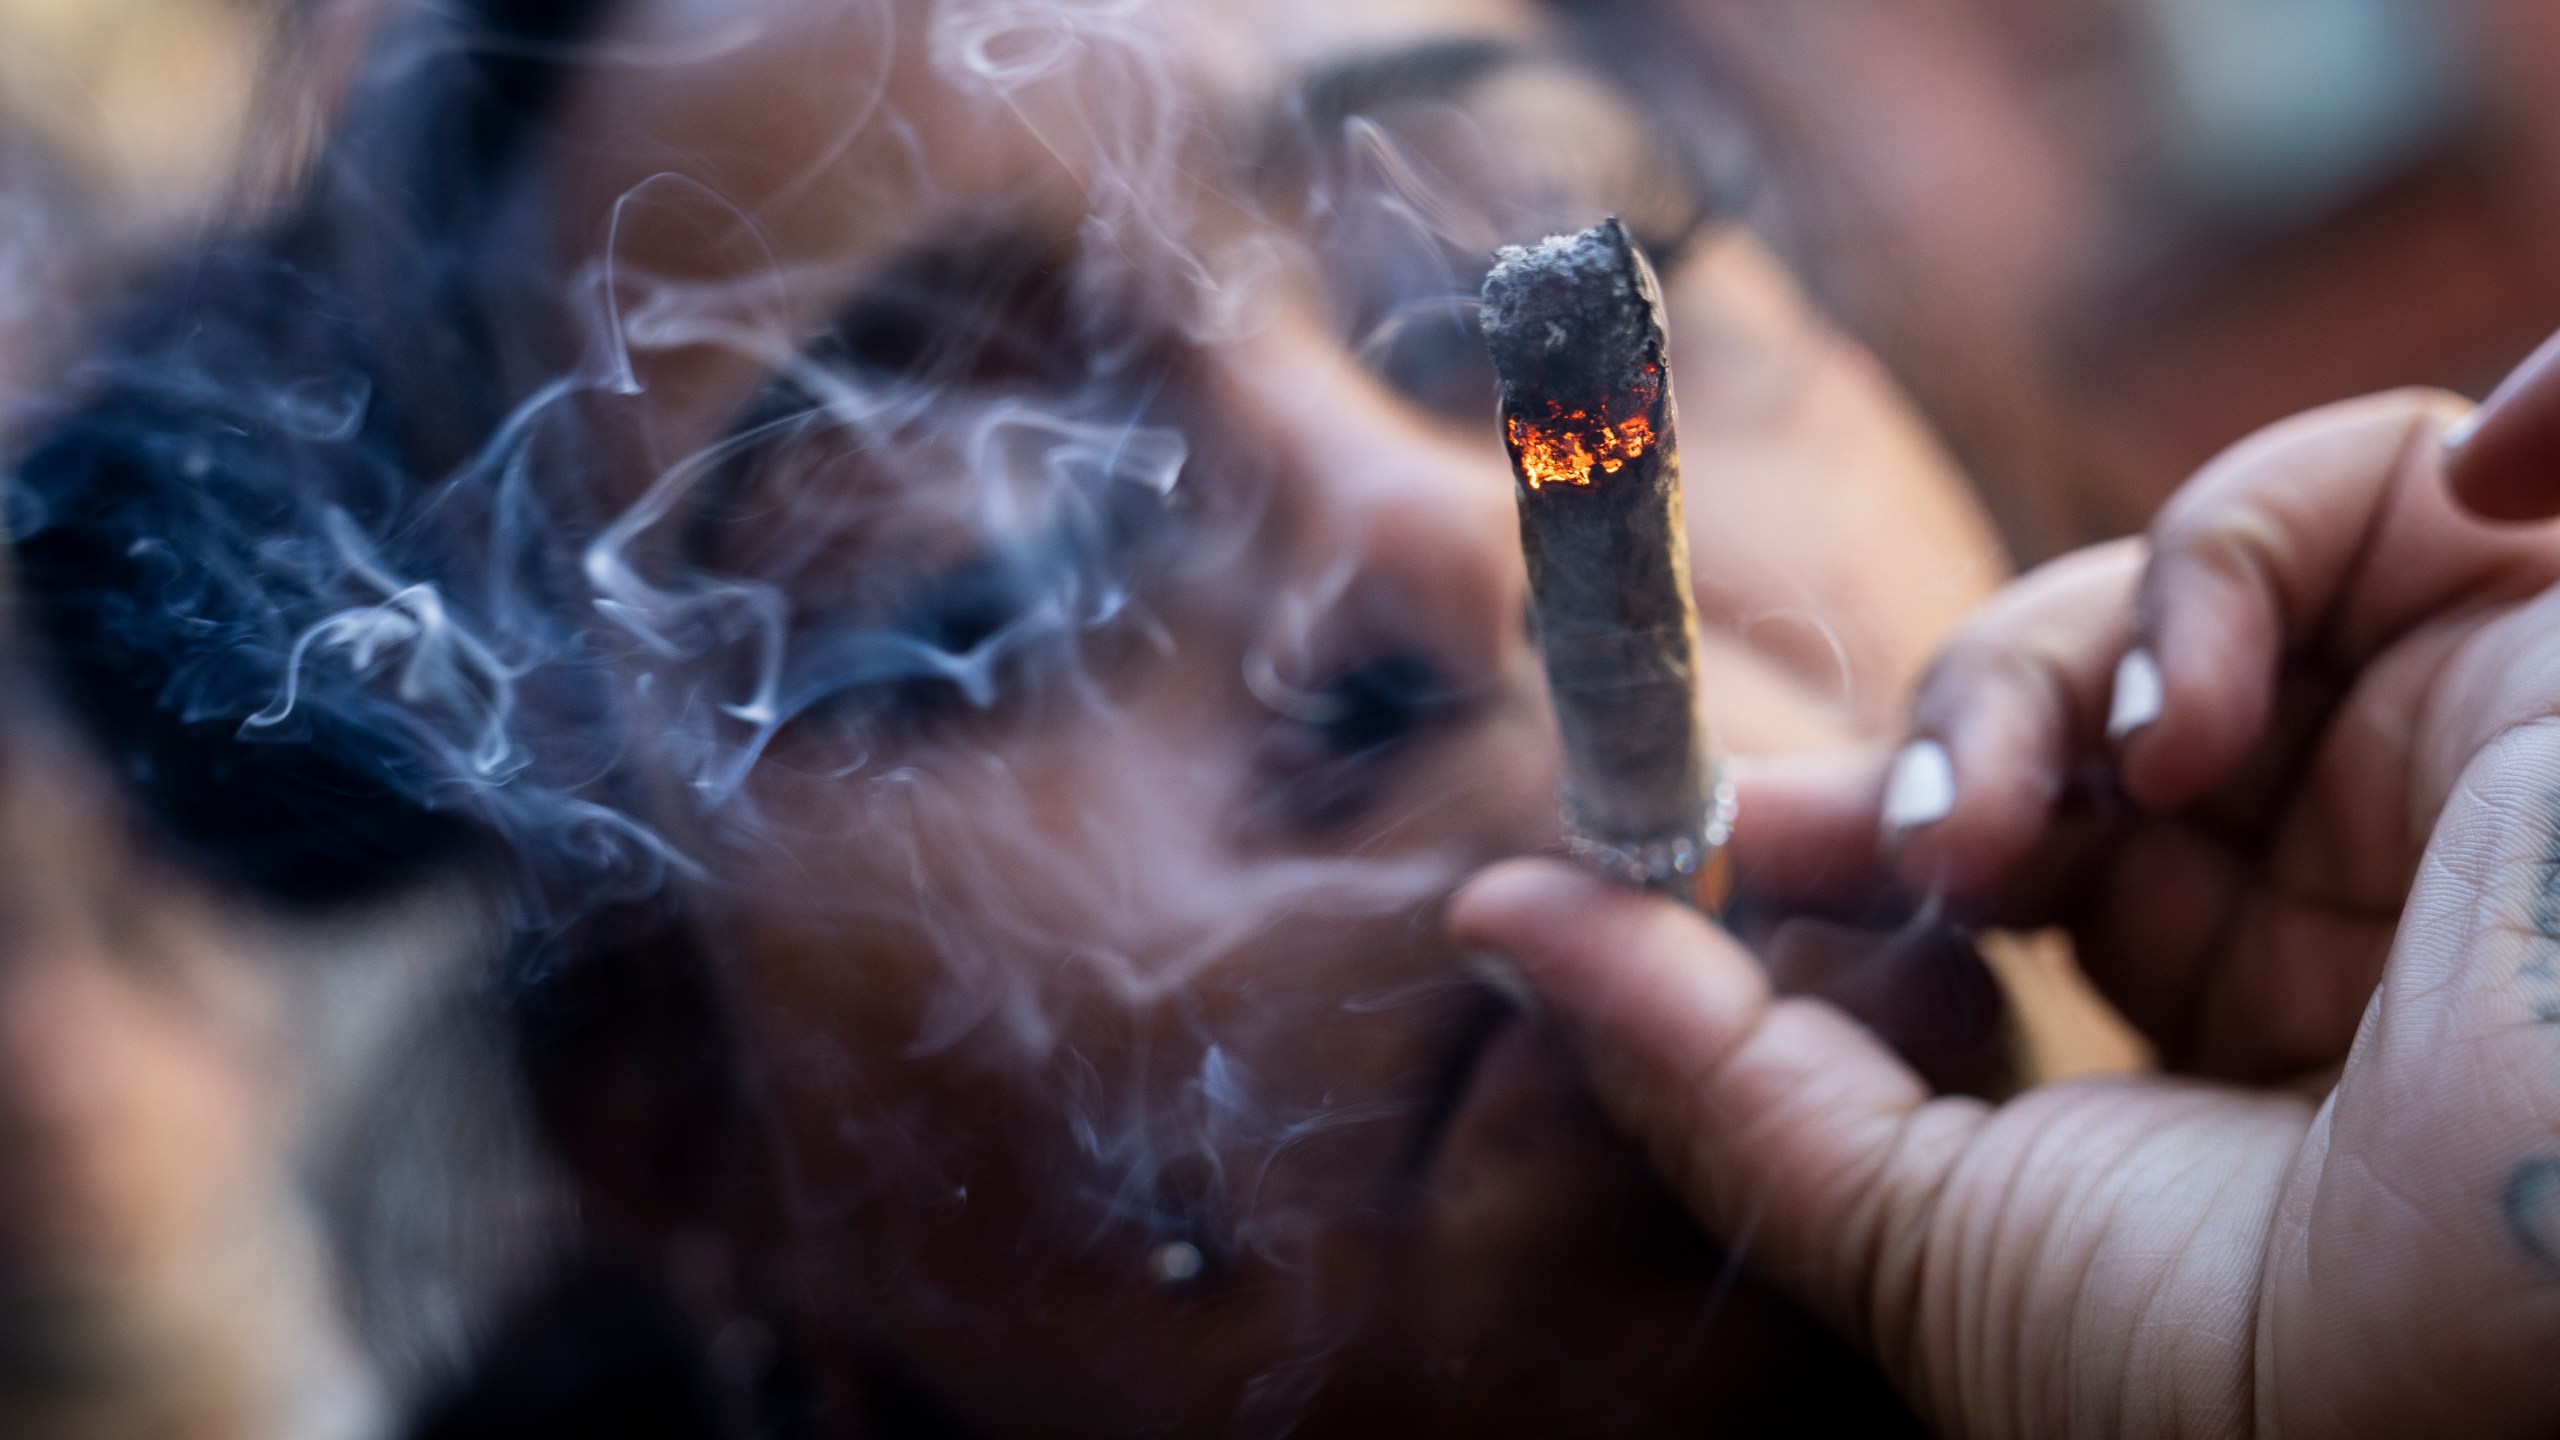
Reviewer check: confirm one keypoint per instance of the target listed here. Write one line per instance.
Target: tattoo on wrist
(2539, 975)
(2546, 874)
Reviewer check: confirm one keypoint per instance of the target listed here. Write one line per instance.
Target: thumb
(1795, 1135)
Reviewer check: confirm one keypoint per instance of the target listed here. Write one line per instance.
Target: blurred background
(2100, 239)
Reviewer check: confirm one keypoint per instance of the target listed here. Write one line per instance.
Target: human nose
(1384, 524)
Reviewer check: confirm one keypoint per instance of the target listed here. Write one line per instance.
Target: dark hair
(291, 457)
(262, 442)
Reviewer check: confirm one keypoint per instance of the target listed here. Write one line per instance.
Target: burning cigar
(1575, 325)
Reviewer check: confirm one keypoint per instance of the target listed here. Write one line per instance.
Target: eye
(973, 619)
(1407, 170)
(995, 308)
(1432, 352)
(954, 646)
(969, 605)
(917, 651)
(1373, 706)
(1330, 759)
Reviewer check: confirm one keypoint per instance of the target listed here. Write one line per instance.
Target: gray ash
(1573, 314)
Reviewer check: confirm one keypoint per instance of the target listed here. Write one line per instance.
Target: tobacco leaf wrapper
(1576, 330)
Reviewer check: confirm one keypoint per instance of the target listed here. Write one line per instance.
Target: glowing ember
(1566, 448)
(1567, 445)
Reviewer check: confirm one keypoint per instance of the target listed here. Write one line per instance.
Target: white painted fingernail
(1921, 789)
(2138, 694)
(2459, 433)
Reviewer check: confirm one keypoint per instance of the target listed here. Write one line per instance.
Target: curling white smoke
(1144, 897)
(442, 665)
(584, 670)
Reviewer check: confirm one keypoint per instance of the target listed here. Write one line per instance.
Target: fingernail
(2138, 694)
(2459, 433)
(1921, 789)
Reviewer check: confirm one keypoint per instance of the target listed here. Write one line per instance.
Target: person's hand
(2357, 701)
(2505, 458)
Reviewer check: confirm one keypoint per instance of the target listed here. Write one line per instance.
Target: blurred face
(1070, 560)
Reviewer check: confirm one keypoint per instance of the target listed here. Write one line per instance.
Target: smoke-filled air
(762, 719)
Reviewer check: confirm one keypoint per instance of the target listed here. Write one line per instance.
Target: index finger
(2323, 538)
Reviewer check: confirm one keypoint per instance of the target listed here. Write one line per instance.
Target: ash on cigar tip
(1566, 299)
